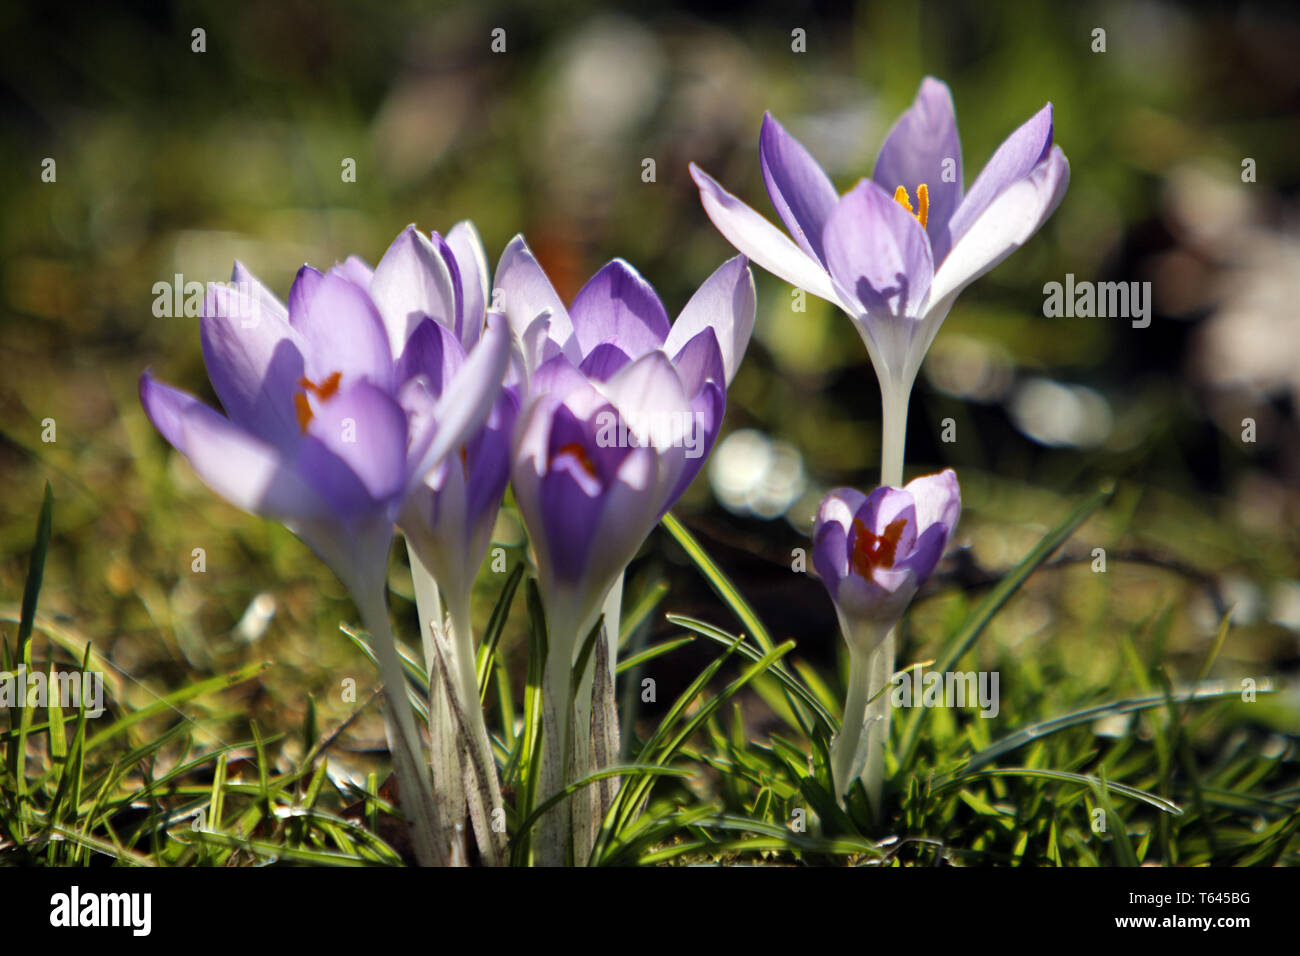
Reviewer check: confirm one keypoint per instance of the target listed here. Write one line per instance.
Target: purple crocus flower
(897, 249)
(621, 410)
(873, 552)
(316, 434)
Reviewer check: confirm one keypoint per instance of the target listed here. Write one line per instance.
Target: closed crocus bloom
(873, 552)
(897, 249)
(315, 435)
(621, 410)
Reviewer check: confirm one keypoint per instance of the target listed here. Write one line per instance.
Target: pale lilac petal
(358, 456)
(305, 284)
(527, 294)
(471, 261)
(249, 284)
(356, 271)
(923, 147)
(238, 466)
(1006, 225)
(410, 283)
(878, 253)
(761, 241)
(800, 190)
(254, 360)
(937, 499)
(467, 400)
(432, 351)
(726, 303)
(618, 306)
(344, 333)
(700, 361)
(1019, 153)
(603, 361)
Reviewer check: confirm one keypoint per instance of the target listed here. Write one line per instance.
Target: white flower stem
(844, 748)
(555, 827)
(894, 398)
(416, 794)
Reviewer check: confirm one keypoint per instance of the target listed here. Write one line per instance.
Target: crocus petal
(358, 436)
(356, 271)
(603, 361)
(471, 261)
(305, 284)
(937, 499)
(878, 253)
(1006, 224)
(251, 285)
(617, 305)
(918, 150)
(467, 400)
(801, 191)
(761, 241)
(254, 360)
(882, 508)
(528, 294)
(344, 333)
(1019, 153)
(700, 361)
(243, 469)
(410, 283)
(925, 553)
(726, 303)
(707, 408)
(432, 351)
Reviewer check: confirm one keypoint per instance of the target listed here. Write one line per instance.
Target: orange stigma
(575, 450)
(922, 212)
(871, 551)
(302, 405)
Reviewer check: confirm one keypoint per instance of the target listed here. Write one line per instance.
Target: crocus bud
(873, 552)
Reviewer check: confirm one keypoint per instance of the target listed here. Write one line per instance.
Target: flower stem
(416, 795)
(844, 748)
(894, 398)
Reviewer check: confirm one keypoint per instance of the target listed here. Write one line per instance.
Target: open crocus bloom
(316, 433)
(896, 250)
(874, 551)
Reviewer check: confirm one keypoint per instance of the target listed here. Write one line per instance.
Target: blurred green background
(170, 161)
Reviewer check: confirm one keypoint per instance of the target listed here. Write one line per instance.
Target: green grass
(1189, 778)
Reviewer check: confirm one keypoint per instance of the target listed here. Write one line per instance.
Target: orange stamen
(302, 405)
(577, 451)
(922, 212)
(303, 408)
(871, 551)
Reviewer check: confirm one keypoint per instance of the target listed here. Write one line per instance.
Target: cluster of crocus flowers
(396, 397)
(407, 396)
(894, 253)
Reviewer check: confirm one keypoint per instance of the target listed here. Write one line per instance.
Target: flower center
(302, 405)
(922, 212)
(871, 551)
(579, 454)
